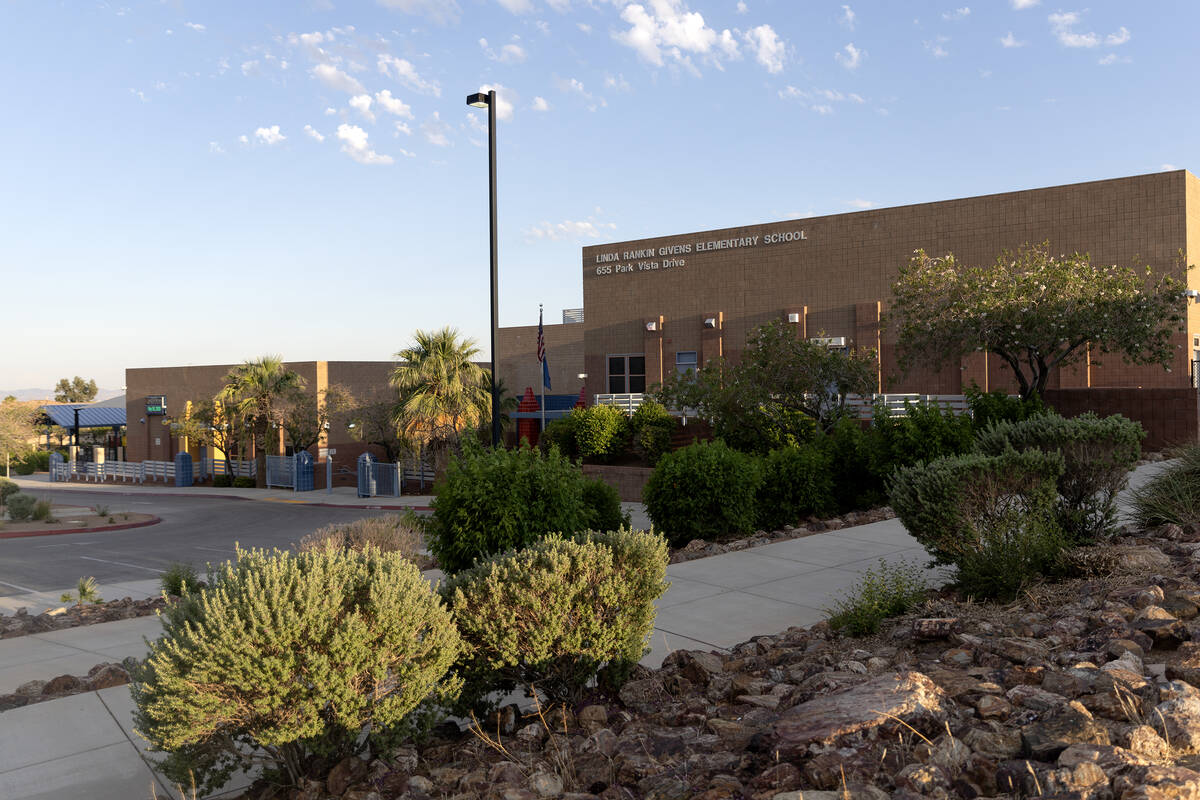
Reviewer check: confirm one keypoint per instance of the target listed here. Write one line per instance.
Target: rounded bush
(560, 433)
(600, 431)
(244, 482)
(651, 426)
(703, 491)
(20, 507)
(555, 614)
(490, 501)
(926, 431)
(1098, 453)
(288, 657)
(796, 483)
(604, 506)
(7, 490)
(222, 481)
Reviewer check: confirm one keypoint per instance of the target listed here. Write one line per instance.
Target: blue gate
(366, 475)
(303, 472)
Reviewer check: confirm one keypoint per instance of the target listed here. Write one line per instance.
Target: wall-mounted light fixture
(581, 375)
(710, 322)
(652, 325)
(793, 317)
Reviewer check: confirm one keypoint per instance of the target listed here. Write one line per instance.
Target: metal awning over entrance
(89, 416)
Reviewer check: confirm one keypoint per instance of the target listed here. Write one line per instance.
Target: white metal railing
(142, 471)
(860, 406)
(626, 402)
(228, 466)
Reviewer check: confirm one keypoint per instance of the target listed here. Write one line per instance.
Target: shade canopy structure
(90, 416)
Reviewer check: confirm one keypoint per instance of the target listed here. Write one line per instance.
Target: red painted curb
(103, 529)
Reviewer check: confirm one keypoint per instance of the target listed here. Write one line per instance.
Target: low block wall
(1170, 416)
(628, 481)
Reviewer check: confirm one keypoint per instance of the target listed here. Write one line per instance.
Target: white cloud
(509, 53)
(543, 27)
(393, 105)
(269, 135)
(561, 6)
(250, 67)
(354, 144)
(140, 95)
(504, 100)
(820, 100)
(847, 17)
(435, 131)
(1063, 24)
(362, 104)
(741, 7)
(196, 26)
(330, 111)
(215, 147)
(671, 30)
(769, 50)
(403, 71)
(859, 203)
(957, 14)
(1113, 58)
(583, 26)
(540, 104)
(334, 78)
(850, 56)
(517, 6)
(823, 109)
(402, 127)
(244, 139)
(935, 47)
(568, 230)
(1168, 167)
(314, 133)
(1008, 40)
(440, 11)
(617, 82)
(1120, 37)
(1021, 5)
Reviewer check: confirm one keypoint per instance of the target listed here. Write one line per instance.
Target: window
(686, 360)
(627, 374)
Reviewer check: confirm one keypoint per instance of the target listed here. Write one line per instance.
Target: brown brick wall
(628, 481)
(847, 263)
(518, 366)
(1170, 416)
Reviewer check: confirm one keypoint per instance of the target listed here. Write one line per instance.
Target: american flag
(541, 347)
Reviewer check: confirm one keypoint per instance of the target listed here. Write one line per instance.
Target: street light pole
(480, 100)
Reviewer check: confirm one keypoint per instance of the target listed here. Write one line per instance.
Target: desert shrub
(179, 579)
(651, 427)
(244, 482)
(1097, 452)
(1172, 495)
(855, 483)
(703, 491)
(560, 433)
(23, 467)
(222, 481)
(42, 511)
(85, 592)
(288, 658)
(991, 516)
(558, 613)
(604, 506)
(795, 484)
(7, 490)
(20, 507)
(31, 462)
(601, 431)
(926, 431)
(388, 533)
(490, 501)
(888, 590)
(998, 406)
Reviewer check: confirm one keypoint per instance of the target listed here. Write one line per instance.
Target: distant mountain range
(48, 394)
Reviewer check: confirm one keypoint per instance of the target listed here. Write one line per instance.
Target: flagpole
(542, 364)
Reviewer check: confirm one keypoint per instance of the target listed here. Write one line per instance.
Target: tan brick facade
(834, 275)
(518, 366)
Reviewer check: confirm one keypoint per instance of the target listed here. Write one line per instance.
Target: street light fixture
(488, 101)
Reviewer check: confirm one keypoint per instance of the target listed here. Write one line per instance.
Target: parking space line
(123, 564)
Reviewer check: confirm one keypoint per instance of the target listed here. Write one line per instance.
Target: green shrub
(651, 427)
(601, 432)
(1097, 452)
(23, 467)
(20, 507)
(286, 659)
(556, 614)
(796, 483)
(926, 431)
(604, 506)
(42, 511)
(888, 590)
(855, 483)
(560, 433)
(703, 491)
(1172, 495)
(31, 462)
(244, 482)
(490, 501)
(85, 592)
(991, 516)
(7, 490)
(998, 406)
(179, 579)
(222, 481)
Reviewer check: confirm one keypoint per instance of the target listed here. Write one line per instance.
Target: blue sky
(195, 183)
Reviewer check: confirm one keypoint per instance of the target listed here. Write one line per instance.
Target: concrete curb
(98, 529)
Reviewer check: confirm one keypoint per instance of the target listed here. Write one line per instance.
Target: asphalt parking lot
(193, 530)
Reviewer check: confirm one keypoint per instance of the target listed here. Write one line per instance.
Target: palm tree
(441, 389)
(261, 390)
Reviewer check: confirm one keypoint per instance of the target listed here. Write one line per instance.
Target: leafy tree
(260, 391)
(773, 397)
(75, 390)
(17, 430)
(375, 423)
(441, 388)
(307, 416)
(1035, 311)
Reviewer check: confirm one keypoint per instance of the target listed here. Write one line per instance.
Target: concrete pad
(888, 531)
(76, 664)
(107, 635)
(739, 569)
(55, 729)
(112, 772)
(663, 642)
(685, 591)
(827, 550)
(733, 617)
(814, 589)
(30, 650)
